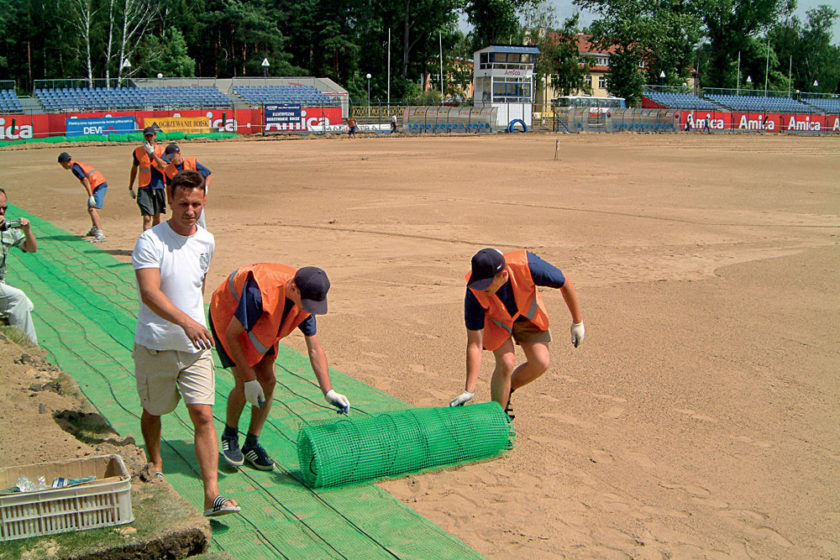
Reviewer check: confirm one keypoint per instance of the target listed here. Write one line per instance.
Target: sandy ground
(699, 419)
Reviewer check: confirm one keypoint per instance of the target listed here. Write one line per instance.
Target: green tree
(167, 55)
(494, 21)
(729, 26)
(560, 59)
(808, 51)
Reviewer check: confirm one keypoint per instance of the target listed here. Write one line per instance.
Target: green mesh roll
(356, 449)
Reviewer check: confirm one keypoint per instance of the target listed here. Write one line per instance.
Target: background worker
(175, 162)
(151, 195)
(351, 127)
(95, 185)
(502, 305)
(172, 356)
(250, 312)
(13, 302)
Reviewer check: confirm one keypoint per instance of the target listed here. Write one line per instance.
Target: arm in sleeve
(544, 273)
(309, 327)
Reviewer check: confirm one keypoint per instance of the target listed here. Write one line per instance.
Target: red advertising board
(309, 116)
(18, 127)
(759, 122)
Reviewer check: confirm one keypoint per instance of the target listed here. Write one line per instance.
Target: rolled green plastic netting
(363, 448)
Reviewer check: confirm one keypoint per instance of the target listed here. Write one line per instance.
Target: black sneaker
(509, 407)
(258, 458)
(231, 452)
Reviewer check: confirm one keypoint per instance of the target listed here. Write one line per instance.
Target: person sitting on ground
(13, 301)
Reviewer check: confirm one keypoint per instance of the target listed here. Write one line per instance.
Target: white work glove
(131, 192)
(254, 393)
(338, 400)
(462, 398)
(578, 333)
(91, 201)
(149, 148)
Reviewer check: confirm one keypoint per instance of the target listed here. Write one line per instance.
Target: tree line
(345, 40)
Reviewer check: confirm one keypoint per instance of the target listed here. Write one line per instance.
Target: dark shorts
(226, 361)
(151, 201)
(224, 358)
(526, 331)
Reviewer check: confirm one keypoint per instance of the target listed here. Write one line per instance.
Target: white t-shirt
(183, 263)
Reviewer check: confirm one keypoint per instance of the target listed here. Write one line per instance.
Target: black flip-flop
(220, 507)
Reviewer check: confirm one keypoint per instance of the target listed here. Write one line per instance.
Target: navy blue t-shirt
(543, 273)
(77, 171)
(250, 309)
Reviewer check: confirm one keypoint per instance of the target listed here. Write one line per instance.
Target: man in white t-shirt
(172, 357)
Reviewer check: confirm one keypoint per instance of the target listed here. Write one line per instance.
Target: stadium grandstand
(283, 94)
(760, 104)
(163, 97)
(677, 100)
(831, 106)
(9, 102)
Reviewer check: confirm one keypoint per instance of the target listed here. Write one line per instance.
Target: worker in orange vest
(502, 305)
(95, 185)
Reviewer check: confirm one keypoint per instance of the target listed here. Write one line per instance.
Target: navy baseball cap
(64, 156)
(172, 149)
(149, 130)
(313, 285)
(486, 264)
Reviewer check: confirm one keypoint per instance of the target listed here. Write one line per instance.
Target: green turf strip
(85, 312)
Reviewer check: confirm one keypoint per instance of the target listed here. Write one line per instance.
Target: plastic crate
(100, 503)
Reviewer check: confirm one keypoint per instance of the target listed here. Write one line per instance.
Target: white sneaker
(98, 237)
(92, 232)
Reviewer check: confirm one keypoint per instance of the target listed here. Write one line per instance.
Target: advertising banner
(284, 113)
(180, 124)
(88, 127)
(306, 121)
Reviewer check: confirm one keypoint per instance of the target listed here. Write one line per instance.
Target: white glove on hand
(131, 192)
(254, 393)
(461, 399)
(149, 148)
(578, 333)
(91, 201)
(338, 400)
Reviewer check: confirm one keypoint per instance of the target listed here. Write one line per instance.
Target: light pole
(749, 82)
(545, 94)
(816, 84)
(368, 76)
(265, 66)
(662, 77)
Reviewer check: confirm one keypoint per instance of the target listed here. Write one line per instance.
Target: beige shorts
(526, 331)
(164, 376)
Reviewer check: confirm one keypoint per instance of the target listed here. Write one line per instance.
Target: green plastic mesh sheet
(116, 137)
(364, 448)
(85, 313)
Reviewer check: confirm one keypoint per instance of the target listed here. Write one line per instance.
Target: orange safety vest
(498, 323)
(171, 170)
(270, 327)
(145, 163)
(93, 175)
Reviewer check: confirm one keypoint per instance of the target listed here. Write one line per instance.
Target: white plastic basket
(100, 503)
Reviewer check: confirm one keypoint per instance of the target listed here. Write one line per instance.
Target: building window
(588, 80)
(602, 82)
